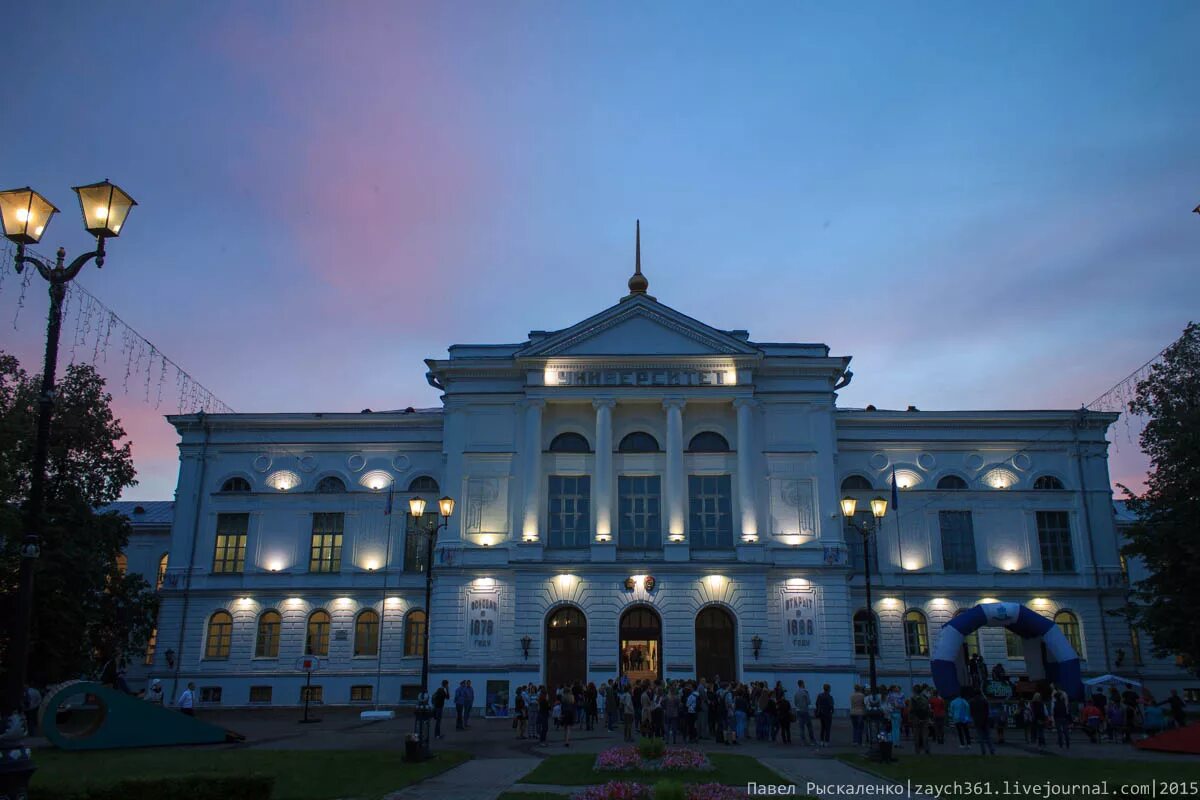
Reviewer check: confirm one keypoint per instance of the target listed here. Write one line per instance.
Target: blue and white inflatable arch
(1061, 668)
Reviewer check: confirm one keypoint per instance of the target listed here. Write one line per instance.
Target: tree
(1165, 535)
(86, 613)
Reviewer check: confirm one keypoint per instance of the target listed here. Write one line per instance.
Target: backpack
(920, 707)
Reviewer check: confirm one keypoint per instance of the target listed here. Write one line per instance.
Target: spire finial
(638, 283)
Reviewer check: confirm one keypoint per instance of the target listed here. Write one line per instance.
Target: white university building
(640, 493)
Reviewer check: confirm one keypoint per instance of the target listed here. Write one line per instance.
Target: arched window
(316, 642)
(331, 484)
(162, 572)
(236, 485)
(1068, 623)
(423, 483)
(971, 642)
(366, 634)
(856, 483)
(708, 442)
(122, 564)
(569, 443)
(220, 634)
(916, 633)
(1048, 483)
(951, 482)
(414, 633)
(862, 632)
(638, 442)
(266, 643)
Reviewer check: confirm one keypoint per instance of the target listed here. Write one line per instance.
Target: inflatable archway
(1060, 668)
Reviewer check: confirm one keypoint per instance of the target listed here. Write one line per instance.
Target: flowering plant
(684, 758)
(618, 758)
(614, 790)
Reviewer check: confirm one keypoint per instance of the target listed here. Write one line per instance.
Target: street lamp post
(25, 215)
(878, 509)
(416, 507)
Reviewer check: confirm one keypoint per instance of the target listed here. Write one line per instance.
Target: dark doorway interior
(566, 648)
(716, 644)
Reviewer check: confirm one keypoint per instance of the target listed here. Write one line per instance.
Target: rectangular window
(1191, 694)
(361, 694)
(260, 694)
(710, 506)
(856, 546)
(314, 693)
(416, 542)
(230, 553)
(640, 503)
(1014, 645)
(570, 518)
(410, 692)
(210, 694)
(958, 541)
(326, 542)
(1054, 540)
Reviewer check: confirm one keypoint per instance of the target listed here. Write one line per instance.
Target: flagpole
(387, 561)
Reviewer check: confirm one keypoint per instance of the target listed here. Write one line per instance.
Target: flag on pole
(895, 491)
(387, 508)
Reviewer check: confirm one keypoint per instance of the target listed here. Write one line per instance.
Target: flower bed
(627, 757)
(628, 790)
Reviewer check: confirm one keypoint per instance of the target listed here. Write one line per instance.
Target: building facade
(640, 493)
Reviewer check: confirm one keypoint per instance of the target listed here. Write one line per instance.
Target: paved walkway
(479, 779)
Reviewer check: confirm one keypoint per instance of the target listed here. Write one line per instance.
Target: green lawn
(299, 774)
(1030, 769)
(532, 796)
(575, 769)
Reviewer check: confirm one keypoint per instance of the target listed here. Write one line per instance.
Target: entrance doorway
(716, 644)
(566, 648)
(641, 644)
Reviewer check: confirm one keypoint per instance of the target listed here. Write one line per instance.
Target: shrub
(231, 787)
(670, 790)
(650, 749)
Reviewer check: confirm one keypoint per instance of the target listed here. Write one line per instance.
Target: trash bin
(412, 748)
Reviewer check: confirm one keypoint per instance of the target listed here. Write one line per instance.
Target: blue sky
(987, 206)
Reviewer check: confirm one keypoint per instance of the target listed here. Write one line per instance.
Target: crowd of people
(731, 712)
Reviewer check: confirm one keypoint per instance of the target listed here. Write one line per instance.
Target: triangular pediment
(638, 326)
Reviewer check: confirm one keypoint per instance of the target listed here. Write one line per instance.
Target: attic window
(639, 442)
(139, 510)
(236, 485)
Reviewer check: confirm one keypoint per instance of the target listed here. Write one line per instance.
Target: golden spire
(637, 282)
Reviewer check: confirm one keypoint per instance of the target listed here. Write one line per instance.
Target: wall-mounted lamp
(756, 643)
(526, 642)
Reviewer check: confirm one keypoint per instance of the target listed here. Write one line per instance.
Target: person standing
(1038, 719)
(801, 703)
(154, 692)
(187, 700)
(960, 715)
(593, 705)
(1178, 709)
(30, 702)
(895, 705)
(543, 716)
(439, 705)
(937, 709)
(460, 699)
(858, 712)
(981, 717)
(568, 714)
(919, 714)
(783, 711)
(469, 698)
(824, 708)
(1061, 710)
(627, 712)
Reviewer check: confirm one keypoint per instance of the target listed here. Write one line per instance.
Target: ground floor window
(210, 694)
(361, 694)
(313, 694)
(409, 693)
(260, 694)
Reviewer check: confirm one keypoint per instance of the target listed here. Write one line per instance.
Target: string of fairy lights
(92, 332)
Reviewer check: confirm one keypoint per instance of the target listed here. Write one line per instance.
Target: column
(745, 465)
(675, 489)
(602, 481)
(533, 469)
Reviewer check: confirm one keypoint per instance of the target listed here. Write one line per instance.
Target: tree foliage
(86, 612)
(1165, 535)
